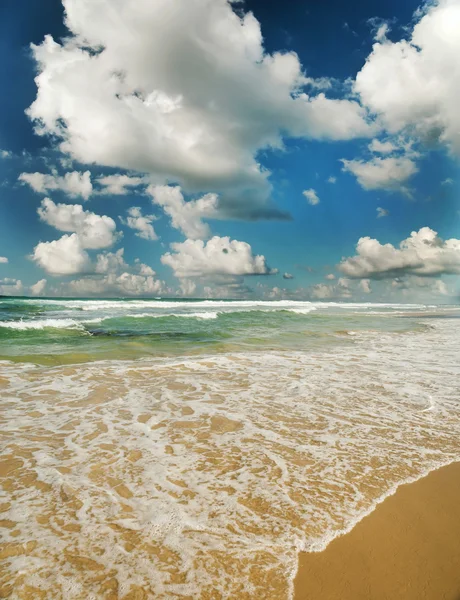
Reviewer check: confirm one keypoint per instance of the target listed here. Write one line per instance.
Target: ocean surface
(187, 449)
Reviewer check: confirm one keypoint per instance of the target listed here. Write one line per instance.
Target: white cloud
(125, 284)
(391, 173)
(365, 285)
(111, 262)
(381, 32)
(382, 212)
(414, 286)
(145, 270)
(186, 216)
(323, 291)
(3, 260)
(330, 276)
(11, 287)
(6, 154)
(140, 223)
(423, 253)
(118, 185)
(37, 289)
(112, 276)
(288, 276)
(311, 196)
(188, 287)
(219, 256)
(380, 147)
(94, 231)
(64, 256)
(74, 184)
(413, 85)
(332, 179)
(183, 90)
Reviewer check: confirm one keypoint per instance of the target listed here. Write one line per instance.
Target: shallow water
(201, 456)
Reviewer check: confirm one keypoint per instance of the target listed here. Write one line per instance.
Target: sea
(190, 449)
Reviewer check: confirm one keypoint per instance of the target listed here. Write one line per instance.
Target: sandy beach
(408, 548)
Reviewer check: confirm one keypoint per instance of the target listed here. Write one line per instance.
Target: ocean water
(190, 449)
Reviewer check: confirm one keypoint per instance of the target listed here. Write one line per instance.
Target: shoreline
(407, 547)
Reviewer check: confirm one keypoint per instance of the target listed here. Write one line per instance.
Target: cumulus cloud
(145, 269)
(110, 275)
(411, 284)
(330, 276)
(332, 179)
(37, 289)
(218, 256)
(65, 256)
(288, 276)
(186, 216)
(391, 173)
(311, 196)
(3, 260)
(94, 231)
(323, 291)
(183, 90)
(111, 262)
(125, 284)
(365, 285)
(413, 85)
(11, 287)
(74, 184)
(422, 253)
(382, 212)
(187, 287)
(118, 185)
(380, 147)
(142, 224)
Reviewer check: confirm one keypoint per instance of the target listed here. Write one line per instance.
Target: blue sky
(306, 127)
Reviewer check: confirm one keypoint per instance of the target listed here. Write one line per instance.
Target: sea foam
(206, 475)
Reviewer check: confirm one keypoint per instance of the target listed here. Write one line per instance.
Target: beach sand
(407, 549)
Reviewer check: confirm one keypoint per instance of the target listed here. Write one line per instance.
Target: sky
(214, 148)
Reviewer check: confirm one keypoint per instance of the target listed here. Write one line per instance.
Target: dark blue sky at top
(333, 39)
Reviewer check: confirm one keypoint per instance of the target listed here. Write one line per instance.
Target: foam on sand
(208, 475)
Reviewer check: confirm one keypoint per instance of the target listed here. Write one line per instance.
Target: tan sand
(407, 549)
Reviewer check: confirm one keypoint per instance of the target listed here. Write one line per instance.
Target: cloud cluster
(11, 287)
(186, 216)
(423, 253)
(118, 185)
(311, 196)
(390, 173)
(413, 85)
(65, 256)
(183, 90)
(68, 255)
(142, 224)
(38, 289)
(220, 256)
(113, 284)
(94, 231)
(73, 183)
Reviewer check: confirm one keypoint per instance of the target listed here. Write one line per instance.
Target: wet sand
(407, 549)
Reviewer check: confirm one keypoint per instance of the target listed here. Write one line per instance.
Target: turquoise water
(60, 331)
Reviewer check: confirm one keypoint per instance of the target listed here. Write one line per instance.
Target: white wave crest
(42, 324)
